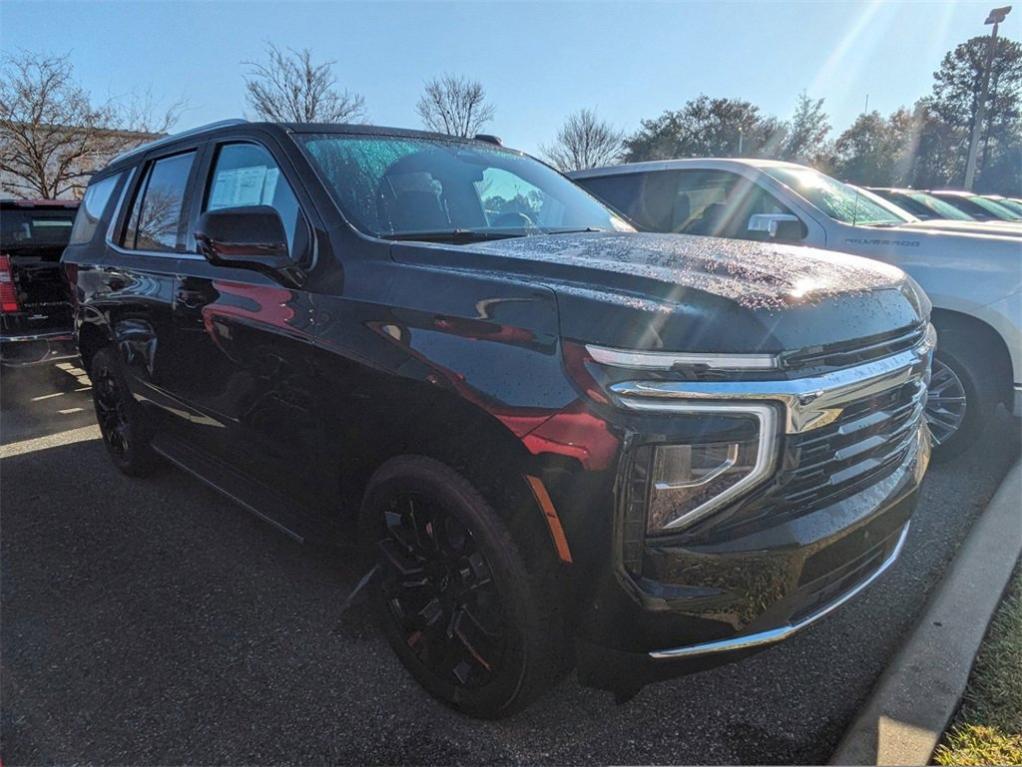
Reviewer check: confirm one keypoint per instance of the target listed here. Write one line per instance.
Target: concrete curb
(920, 690)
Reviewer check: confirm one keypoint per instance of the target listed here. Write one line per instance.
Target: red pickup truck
(35, 299)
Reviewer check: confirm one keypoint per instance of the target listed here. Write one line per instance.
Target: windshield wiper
(452, 235)
(574, 231)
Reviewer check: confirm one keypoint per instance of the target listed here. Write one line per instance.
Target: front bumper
(783, 557)
(780, 633)
(23, 349)
(701, 606)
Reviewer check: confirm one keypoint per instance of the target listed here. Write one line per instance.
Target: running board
(253, 495)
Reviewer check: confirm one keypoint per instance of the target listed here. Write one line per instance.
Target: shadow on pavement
(43, 400)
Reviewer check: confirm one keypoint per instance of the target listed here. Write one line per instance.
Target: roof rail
(175, 136)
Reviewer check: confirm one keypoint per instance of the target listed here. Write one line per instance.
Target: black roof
(224, 126)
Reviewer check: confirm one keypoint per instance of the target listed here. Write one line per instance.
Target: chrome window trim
(810, 403)
(766, 450)
(646, 360)
(770, 636)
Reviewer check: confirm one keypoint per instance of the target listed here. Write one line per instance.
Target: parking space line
(83, 434)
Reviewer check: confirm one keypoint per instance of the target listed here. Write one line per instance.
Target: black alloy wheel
(122, 421)
(439, 589)
(472, 611)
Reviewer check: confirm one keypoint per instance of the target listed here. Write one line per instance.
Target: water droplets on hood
(756, 275)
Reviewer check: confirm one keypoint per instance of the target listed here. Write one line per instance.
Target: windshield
(401, 187)
(839, 201)
(1015, 206)
(939, 207)
(996, 209)
(35, 228)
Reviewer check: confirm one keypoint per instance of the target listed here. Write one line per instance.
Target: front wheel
(122, 421)
(453, 594)
(962, 395)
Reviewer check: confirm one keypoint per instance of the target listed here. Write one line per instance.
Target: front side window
(700, 202)
(401, 187)
(839, 201)
(156, 212)
(247, 174)
(91, 210)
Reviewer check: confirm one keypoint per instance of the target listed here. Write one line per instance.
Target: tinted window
(27, 228)
(388, 185)
(701, 202)
(624, 194)
(156, 213)
(246, 174)
(91, 210)
(720, 204)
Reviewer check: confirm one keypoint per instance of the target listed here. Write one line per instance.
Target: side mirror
(779, 226)
(250, 237)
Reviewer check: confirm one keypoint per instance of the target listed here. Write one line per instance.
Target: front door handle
(191, 299)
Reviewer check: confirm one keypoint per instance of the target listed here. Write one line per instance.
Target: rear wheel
(453, 595)
(122, 421)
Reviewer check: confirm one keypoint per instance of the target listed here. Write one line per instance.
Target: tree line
(52, 135)
(922, 146)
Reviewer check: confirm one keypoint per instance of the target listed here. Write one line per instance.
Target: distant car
(949, 218)
(35, 309)
(1015, 206)
(979, 207)
(974, 278)
(922, 205)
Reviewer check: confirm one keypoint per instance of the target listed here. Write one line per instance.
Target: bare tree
(289, 87)
(454, 105)
(52, 136)
(585, 141)
(37, 93)
(139, 113)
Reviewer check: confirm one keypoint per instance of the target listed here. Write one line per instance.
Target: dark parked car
(979, 207)
(558, 441)
(35, 305)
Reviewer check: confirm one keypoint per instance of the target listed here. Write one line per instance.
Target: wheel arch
(948, 320)
(91, 337)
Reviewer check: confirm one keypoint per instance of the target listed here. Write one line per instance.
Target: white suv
(974, 278)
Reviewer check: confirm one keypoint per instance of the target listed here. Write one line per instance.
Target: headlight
(689, 481)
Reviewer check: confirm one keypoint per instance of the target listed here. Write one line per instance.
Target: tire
(960, 368)
(454, 595)
(122, 421)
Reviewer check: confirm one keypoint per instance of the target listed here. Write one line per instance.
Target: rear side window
(91, 210)
(156, 212)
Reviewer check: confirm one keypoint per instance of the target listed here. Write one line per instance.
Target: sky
(537, 61)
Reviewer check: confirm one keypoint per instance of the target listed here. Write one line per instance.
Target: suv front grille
(857, 353)
(867, 443)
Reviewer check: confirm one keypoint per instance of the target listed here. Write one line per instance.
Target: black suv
(560, 442)
(35, 305)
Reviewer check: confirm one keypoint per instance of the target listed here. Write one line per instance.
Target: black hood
(685, 293)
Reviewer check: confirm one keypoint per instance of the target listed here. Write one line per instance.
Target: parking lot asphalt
(153, 621)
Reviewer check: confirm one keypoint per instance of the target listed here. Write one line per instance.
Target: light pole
(996, 16)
